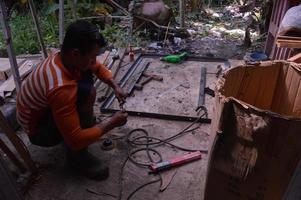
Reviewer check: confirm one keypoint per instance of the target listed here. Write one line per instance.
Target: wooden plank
(288, 43)
(8, 188)
(18, 144)
(8, 86)
(12, 156)
(296, 58)
(285, 37)
(5, 68)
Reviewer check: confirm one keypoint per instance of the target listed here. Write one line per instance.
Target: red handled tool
(176, 161)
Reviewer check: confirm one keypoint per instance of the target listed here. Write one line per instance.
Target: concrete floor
(177, 94)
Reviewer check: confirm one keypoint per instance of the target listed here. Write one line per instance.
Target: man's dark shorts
(47, 133)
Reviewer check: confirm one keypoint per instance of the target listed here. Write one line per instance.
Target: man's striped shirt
(50, 86)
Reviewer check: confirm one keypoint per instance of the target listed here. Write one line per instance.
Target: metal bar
(105, 106)
(159, 116)
(139, 74)
(38, 29)
(190, 58)
(182, 13)
(8, 186)
(61, 22)
(122, 82)
(12, 156)
(74, 9)
(18, 144)
(201, 100)
(9, 46)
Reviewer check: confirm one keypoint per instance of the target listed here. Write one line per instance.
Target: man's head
(82, 43)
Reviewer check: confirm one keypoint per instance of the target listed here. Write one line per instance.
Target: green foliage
(24, 34)
(120, 38)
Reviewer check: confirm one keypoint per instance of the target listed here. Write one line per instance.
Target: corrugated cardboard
(256, 132)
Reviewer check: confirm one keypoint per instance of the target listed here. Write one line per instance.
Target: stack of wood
(289, 42)
(7, 85)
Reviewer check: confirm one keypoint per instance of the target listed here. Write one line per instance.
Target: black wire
(149, 144)
(142, 186)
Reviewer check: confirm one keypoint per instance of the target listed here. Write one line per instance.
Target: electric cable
(149, 144)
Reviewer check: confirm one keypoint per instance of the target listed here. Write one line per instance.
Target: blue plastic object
(258, 56)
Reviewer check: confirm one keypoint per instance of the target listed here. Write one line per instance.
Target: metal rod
(104, 17)
(122, 83)
(9, 46)
(61, 22)
(38, 29)
(182, 13)
(160, 116)
(105, 106)
(74, 9)
(201, 100)
(136, 79)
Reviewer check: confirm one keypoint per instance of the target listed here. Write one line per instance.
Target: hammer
(149, 77)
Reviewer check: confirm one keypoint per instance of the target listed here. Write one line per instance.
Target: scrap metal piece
(105, 108)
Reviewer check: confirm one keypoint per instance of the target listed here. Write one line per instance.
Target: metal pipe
(38, 29)
(61, 22)
(9, 46)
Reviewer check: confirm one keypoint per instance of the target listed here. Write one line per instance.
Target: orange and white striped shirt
(50, 86)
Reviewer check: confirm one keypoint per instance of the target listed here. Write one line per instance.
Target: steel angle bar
(192, 58)
(201, 100)
(160, 116)
(122, 82)
(105, 108)
(138, 77)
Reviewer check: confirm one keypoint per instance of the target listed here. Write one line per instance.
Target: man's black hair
(82, 35)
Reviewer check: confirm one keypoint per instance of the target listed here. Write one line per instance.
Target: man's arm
(106, 76)
(120, 94)
(63, 105)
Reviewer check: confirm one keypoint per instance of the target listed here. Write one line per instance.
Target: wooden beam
(18, 144)
(288, 43)
(295, 58)
(8, 187)
(12, 156)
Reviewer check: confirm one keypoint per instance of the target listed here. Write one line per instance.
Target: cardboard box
(256, 132)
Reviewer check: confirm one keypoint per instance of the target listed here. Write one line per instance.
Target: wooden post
(8, 187)
(74, 9)
(9, 46)
(61, 22)
(38, 29)
(12, 156)
(18, 144)
(182, 13)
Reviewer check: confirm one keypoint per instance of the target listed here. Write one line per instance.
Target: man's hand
(119, 118)
(120, 95)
